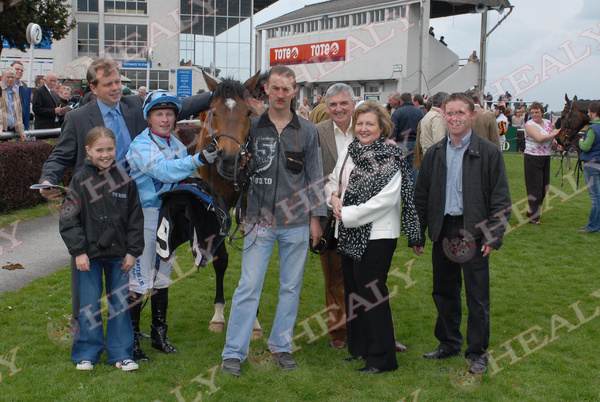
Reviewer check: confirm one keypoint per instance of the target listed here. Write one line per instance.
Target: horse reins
(241, 180)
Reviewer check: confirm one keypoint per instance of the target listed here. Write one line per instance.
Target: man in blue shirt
(463, 199)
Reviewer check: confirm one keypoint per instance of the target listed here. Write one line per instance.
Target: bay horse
(226, 124)
(574, 118)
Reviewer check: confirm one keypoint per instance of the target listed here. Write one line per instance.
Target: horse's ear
(210, 82)
(567, 98)
(252, 81)
(574, 98)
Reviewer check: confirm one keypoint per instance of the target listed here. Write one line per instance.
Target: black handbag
(328, 240)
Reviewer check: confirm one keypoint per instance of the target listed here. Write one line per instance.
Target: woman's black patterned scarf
(375, 166)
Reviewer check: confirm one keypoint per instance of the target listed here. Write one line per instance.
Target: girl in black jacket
(102, 225)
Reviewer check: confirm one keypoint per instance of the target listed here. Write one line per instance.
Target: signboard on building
(184, 83)
(44, 44)
(40, 66)
(135, 64)
(373, 97)
(321, 52)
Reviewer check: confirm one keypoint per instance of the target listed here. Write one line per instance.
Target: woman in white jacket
(374, 191)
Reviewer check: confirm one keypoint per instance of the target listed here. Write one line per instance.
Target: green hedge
(20, 167)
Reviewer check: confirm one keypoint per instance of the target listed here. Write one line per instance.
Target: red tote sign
(309, 53)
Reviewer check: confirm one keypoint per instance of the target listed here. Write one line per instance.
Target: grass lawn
(25, 214)
(544, 329)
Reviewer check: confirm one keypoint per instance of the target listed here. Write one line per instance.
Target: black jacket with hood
(102, 214)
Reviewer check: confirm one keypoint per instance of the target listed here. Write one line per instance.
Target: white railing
(32, 135)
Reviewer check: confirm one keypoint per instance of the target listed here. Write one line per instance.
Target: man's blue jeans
(591, 172)
(258, 245)
(119, 331)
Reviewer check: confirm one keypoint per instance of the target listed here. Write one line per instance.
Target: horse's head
(229, 121)
(573, 118)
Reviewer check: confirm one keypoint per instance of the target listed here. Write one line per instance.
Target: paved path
(37, 246)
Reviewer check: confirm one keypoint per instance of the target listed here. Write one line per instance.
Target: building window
(312, 26)
(286, 30)
(87, 39)
(327, 23)
(126, 6)
(377, 15)
(159, 79)
(125, 41)
(373, 88)
(357, 91)
(271, 33)
(87, 5)
(299, 28)
(396, 13)
(359, 19)
(343, 21)
(217, 35)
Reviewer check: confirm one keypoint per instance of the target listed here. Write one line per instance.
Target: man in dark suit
(105, 81)
(45, 105)
(335, 134)
(24, 93)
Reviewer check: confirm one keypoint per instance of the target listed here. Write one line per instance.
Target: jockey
(158, 162)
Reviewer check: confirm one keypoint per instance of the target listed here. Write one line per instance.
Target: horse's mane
(229, 88)
(259, 89)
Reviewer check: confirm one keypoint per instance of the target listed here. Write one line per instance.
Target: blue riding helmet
(161, 99)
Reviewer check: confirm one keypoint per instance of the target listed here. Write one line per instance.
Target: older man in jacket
(12, 114)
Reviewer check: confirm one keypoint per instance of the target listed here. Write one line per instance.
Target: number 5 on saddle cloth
(192, 211)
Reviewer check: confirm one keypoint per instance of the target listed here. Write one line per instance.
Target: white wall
(371, 52)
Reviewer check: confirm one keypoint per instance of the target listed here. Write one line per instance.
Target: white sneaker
(85, 365)
(127, 365)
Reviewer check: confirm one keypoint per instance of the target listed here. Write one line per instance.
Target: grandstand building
(376, 46)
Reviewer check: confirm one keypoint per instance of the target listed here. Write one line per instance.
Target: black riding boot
(135, 308)
(158, 334)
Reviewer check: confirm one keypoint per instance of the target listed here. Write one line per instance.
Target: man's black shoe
(440, 354)
(478, 366)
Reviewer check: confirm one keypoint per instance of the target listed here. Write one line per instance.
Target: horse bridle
(242, 151)
(568, 123)
(240, 179)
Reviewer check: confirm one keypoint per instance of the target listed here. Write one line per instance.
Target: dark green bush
(20, 167)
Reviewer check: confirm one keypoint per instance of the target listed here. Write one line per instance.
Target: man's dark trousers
(447, 285)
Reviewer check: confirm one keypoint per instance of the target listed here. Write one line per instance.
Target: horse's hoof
(257, 333)
(216, 326)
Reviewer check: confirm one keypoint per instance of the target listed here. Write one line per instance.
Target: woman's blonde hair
(383, 117)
